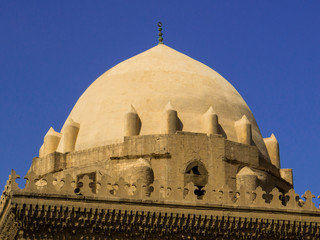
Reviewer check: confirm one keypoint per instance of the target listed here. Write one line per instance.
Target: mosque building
(158, 147)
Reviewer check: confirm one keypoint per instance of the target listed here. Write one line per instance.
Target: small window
(198, 175)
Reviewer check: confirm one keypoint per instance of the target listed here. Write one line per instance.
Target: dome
(148, 82)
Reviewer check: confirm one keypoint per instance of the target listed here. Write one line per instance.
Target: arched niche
(196, 173)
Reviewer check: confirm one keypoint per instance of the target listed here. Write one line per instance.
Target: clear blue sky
(51, 51)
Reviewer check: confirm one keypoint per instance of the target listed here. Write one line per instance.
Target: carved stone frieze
(119, 210)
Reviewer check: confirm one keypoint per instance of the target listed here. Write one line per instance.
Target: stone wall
(167, 156)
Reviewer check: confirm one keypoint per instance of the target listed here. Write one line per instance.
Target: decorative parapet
(64, 209)
(157, 193)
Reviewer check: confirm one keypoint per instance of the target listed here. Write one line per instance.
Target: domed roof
(148, 81)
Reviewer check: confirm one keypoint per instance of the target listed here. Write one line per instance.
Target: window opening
(198, 175)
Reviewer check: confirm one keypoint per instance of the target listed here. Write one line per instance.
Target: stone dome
(148, 81)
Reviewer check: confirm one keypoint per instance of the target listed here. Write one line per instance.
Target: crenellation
(308, 204)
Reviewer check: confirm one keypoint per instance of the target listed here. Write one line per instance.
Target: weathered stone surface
(230, 215)
(156, 172)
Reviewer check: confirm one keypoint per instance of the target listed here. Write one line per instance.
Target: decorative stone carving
(259, 200)
(245, 196)
(189, 191)
(293, 199)
(105, 187)
(276, 198)
(224, 197)
(121, 188)
(85, 189)
(308, 204)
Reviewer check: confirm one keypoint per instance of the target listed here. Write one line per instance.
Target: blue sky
(51, 51)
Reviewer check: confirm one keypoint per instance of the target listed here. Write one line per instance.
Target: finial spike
(160, 33)
(169, 107)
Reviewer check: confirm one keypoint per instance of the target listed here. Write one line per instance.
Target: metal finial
(160, 33)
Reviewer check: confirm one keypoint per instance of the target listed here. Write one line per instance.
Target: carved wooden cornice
(48, 221)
